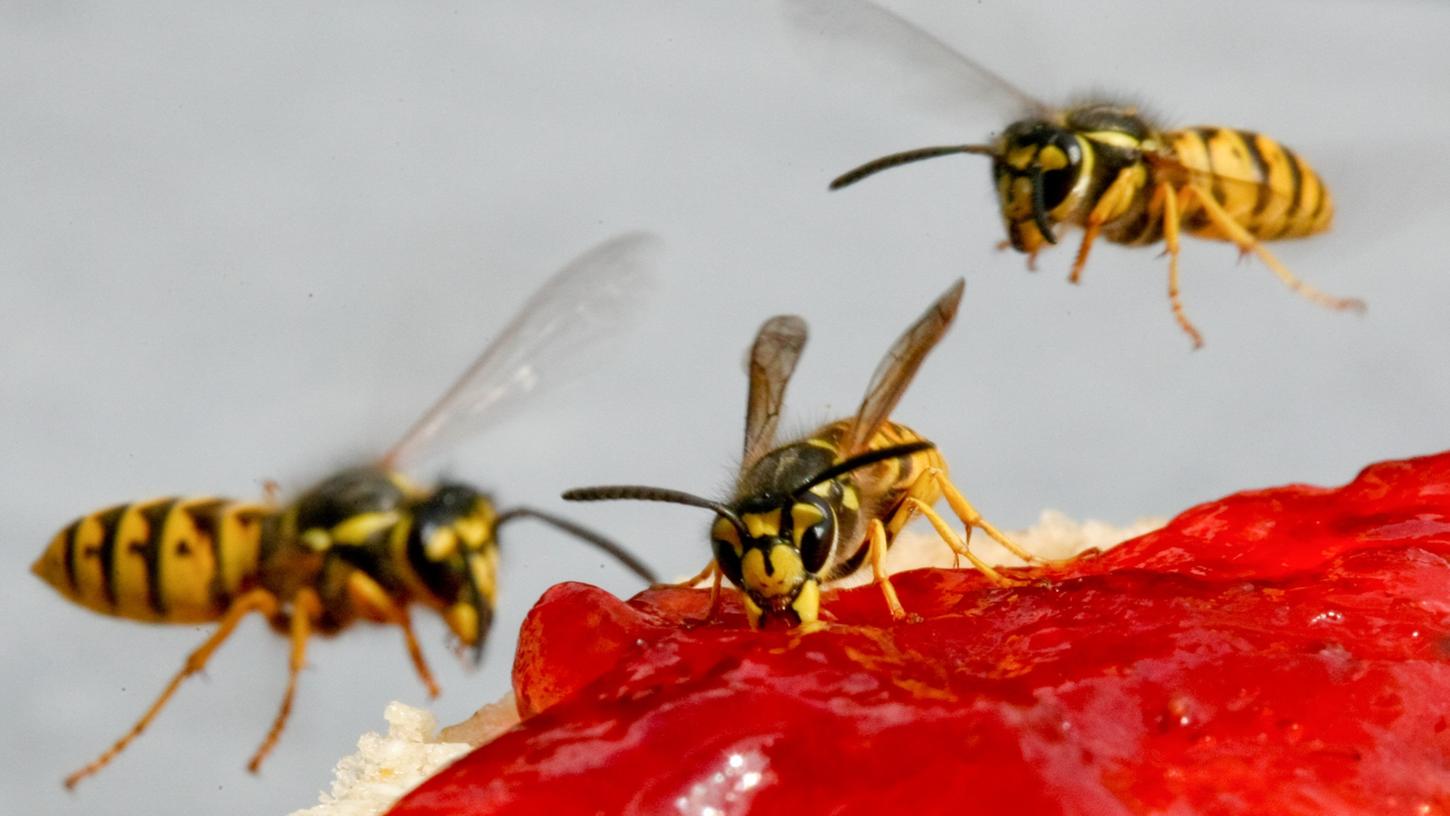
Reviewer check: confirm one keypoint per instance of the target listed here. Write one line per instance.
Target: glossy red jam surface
(1278, 651)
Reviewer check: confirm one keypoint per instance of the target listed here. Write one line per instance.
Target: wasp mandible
(364, 544)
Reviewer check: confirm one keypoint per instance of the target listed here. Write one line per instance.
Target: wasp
(821, 507)
(364, 544)
(1103, 166)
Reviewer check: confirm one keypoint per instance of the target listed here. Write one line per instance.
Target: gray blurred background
(254, 241)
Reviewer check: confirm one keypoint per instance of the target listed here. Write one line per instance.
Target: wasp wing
(773, 358)
(856, 38)
(595, 296)
(899, 366)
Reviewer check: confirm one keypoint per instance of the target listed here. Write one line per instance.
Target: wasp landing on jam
(1103, 167)
(364, 544)
(821, 507)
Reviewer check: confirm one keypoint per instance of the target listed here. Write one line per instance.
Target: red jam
(1278, 651)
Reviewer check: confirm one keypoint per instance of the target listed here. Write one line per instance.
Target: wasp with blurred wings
(822, 507)
(364, 544)
(1102, 166)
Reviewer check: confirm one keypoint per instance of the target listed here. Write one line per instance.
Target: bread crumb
(386, 767)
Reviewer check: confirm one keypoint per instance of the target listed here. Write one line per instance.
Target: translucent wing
(593, 297)
(899, 366)
(777, 347)
(855, 38)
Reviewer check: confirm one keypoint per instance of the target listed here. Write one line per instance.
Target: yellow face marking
(1019, 205)
(762, 524)
(462, 620)
(850, 499)
(1052, 158)
(1021, 157)
(473, 530)
(359, 528)
(807, 604)
(785, 574)
(484, 569)
(803, 516)
(442, 544)
(723, 530)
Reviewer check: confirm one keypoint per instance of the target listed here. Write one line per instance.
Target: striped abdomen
(171, 560)
(1266, 187)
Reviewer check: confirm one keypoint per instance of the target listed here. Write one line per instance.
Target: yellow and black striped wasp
(366, 543)
(1100, 165)
(821, 507)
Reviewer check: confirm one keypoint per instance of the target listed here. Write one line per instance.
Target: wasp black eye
(815, 533)
(725, 540)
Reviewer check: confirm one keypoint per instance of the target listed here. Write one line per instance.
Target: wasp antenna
(875, 166)
(642, 493)
(870, 457)
(588, 536)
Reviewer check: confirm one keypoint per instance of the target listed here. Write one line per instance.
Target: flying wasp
(821, 507)
(364, 544)
(1102, 166)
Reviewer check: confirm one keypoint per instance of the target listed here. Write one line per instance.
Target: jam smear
(1277, 651)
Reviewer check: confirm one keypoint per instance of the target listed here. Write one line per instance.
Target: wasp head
(1036, 164)
(772, 550)
(452, 549)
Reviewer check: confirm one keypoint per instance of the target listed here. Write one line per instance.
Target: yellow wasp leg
(415, 653)
(959, 546)
(712, 572)
(969, 516)
(258, 600)
(372, 601)
(1248, 243)
(1111, 203)
(305, 608)
(877, 537)
(1170, 202)
(713, 612)
(689, 583)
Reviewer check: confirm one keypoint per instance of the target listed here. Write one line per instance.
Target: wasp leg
(878, 545)
(258, 600)
(958, 545)
(1171, 218)
(1248, 243)
(1114, 200)
(305, 608)
(713, 613)
(690, 583)
(971, 518)
(271, 493)
(372, 601)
